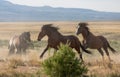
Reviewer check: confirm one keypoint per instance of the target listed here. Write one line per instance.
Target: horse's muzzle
(77, 33)
(39, 39)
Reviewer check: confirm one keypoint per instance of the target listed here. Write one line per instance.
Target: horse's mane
(25, 33)
(84, 25)
(50, 27)
(23, 36)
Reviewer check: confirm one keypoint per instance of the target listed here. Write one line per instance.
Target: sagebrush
(64, 63)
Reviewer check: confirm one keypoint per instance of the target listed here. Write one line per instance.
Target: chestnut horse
(55, 38)
(92, 41)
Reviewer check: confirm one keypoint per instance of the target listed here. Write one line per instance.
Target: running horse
(55, 38)
(20, 43)
(92, 41)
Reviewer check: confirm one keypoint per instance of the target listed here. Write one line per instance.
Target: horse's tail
(87, 51)
(113, 50)
(10, 46)
(106, 42)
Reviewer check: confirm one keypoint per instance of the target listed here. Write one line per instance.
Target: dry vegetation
(31, 64)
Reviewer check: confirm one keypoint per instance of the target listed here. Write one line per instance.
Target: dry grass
(32, 63)
(103, 69)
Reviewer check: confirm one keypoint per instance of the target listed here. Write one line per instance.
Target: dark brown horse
(92, 41)
(55, 38)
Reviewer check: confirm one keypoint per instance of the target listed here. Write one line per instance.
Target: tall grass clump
(3, 43)
(19, 74)
(64, 63)
(114, 75)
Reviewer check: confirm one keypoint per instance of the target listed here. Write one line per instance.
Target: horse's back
(103, 39)
(73, 40)
(97, 42)
(93, 42)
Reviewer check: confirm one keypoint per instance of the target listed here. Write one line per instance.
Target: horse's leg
(84, 44)
(80, 54)
(24, 51)
(11, 50)
(101, 52)
(81, 57)
(107, 53)
(18, 50)
(44, 51)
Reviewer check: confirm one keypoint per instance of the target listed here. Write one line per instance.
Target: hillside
(15, 12)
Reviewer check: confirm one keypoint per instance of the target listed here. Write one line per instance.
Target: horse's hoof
(81, 60)
(41, 57)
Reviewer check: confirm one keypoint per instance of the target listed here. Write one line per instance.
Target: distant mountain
(14, 12)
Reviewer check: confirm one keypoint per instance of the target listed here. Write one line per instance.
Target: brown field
(32, 63)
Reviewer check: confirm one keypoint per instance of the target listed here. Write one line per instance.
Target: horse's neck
(54, 35)
(87, 35)
(21, 39)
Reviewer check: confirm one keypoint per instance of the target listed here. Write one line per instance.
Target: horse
(55, 38)
(94, 42)
(19, 42)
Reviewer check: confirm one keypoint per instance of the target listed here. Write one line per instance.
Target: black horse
(55, 38)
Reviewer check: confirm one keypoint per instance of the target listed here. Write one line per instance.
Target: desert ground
(31, 63)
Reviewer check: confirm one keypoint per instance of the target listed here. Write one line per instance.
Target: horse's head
(47, 29)
(81, 28)
(41, 34)
(26, 36)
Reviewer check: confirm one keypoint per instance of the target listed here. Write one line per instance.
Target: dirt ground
(31, 61)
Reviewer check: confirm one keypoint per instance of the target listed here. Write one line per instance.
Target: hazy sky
(100, 5)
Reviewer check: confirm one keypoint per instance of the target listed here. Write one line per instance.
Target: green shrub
(64, 64)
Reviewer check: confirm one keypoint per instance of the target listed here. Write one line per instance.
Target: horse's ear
(87, 28)
(28, 32)
(47, 24)
(83, 24)
(57, 28)
(79, 24)
(86, 24)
